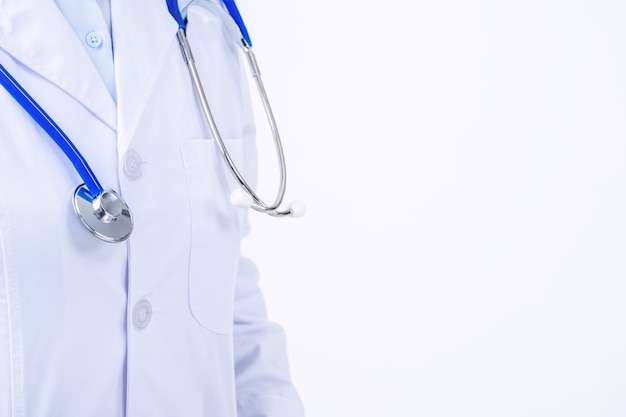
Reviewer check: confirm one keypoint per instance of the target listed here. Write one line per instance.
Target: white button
(132, 164)
(93, 39)
(142, 314)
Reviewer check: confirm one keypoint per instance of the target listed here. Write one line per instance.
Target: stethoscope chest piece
(107, 216)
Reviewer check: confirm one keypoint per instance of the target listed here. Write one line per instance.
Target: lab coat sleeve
(264, 387)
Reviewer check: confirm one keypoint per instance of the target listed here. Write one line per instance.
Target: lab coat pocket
(215, 233)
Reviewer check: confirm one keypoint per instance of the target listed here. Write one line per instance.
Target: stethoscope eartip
(240, 198)
(297, 208)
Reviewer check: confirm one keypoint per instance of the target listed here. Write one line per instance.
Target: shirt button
(142, 314)
(93, 39)
(132, 164)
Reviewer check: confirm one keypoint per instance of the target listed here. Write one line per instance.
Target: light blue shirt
(91, 21)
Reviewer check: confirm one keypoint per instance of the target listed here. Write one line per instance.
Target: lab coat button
(132, 164)
(93, 39)
(142, 314)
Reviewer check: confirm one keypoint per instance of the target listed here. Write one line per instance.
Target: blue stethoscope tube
(101, 210)
(234, 13)
(41, 117)
(172, 6)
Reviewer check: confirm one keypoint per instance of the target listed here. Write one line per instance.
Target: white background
(464, 169)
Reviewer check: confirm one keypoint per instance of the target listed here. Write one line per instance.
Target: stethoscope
(102, 210)
(246, 197)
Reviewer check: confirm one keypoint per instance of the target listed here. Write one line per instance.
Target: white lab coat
(170, 323)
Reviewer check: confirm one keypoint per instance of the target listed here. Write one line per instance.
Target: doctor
(170, 322)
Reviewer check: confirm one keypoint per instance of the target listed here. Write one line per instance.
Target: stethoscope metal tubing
(257, 203)
(256, 73)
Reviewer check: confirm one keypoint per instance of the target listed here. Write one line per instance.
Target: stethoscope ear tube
(255, 202)
(249, 199)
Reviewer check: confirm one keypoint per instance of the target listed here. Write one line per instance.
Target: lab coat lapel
(143, 33)
(37, 35)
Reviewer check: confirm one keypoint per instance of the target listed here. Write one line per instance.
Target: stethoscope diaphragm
(106, 216)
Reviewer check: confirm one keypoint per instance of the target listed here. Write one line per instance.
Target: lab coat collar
(143, 34)
(36, 34)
